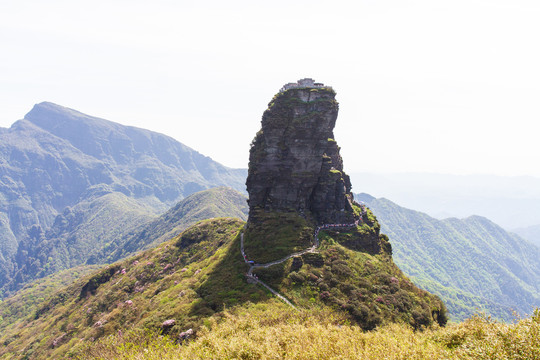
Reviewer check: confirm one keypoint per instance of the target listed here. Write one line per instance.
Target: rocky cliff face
(294, 163)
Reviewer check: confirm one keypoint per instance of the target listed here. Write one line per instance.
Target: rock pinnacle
(294, 163)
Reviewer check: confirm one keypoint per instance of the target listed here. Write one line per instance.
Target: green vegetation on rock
(277, 235)
(370, 288)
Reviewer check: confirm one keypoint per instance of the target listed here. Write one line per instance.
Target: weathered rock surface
(294, 163)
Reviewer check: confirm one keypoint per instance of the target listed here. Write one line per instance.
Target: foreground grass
(272, 331)
(187, 279)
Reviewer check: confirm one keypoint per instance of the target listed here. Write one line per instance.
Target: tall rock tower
(296, 182)
(294, 163)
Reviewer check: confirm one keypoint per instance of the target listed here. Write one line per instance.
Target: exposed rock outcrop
(294, 163)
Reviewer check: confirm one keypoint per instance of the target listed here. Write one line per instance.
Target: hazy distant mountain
(64, 175)
(471, 263)
(442, 195)
(530, 233)
(212, 203)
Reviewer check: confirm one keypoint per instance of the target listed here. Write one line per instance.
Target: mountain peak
(53, 117)
(50, 106)
(365, 197)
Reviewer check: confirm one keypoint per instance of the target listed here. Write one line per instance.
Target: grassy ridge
(369, 288)
(206, 204)
(274, 331)
(142, 292)
(196, 277)
(276, 235)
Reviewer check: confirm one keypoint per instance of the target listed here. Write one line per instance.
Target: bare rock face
(294, 163)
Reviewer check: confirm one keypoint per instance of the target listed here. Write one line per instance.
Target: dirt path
(252, 278)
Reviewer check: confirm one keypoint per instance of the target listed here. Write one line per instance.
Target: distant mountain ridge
(57, 162)
(135, 154)
(530, 233)
(446, 195)
(471, 263)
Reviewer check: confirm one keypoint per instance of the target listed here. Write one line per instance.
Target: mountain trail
(252, 278)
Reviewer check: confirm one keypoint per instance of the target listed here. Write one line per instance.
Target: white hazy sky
(423, 85)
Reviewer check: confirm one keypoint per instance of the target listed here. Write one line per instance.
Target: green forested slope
(207, 204)
(77, 234)
(109, 227)
(472, 263)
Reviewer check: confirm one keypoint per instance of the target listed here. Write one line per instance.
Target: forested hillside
(472, 263)
(207, 204)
